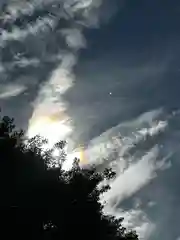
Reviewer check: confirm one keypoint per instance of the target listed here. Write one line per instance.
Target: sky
(103, 74)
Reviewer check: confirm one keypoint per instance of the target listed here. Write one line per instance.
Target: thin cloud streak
(135, 176)
(11, 90)
(115, 140)
(17, 34)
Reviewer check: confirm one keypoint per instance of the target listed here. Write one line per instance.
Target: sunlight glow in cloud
(50, 98)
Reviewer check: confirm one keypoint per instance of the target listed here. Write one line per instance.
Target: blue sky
(111, 68)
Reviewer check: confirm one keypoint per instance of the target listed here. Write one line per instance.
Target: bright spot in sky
(49, 128)
(54, 130)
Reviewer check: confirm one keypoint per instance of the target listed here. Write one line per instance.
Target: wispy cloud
(133, 172)
(135, 219)
(18, 34)
(125, 136)
(78, 16)
(19, 62)
(56, 26)
(133, 178)
(74, 38)
(11, 90)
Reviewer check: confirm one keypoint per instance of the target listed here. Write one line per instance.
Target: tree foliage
(38, 202)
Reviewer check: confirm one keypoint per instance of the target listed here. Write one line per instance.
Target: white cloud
(8, 91)
(114, 140)
(74, 38)
(154, 129)
(49, 107)
(43, 24)
(50, 97)
(20, 62)
(16, 8)
(135, 219)
(133, 174)
(136, 176)
(24, 62)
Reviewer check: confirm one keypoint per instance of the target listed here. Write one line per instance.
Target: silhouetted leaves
(38, 202)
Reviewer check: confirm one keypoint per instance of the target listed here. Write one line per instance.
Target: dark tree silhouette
(38, 202)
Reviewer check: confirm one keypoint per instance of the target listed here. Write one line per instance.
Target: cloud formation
(135, 170)
(42, 65)
(11, 90)
(78, 17)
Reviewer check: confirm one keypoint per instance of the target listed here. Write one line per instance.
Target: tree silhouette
(38, 202)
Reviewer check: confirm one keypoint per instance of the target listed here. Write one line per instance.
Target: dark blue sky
(137, 54)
